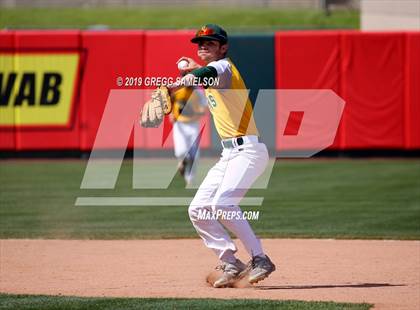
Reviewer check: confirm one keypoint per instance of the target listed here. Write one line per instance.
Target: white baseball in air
(182, 64)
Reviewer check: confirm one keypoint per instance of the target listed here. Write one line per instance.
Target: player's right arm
(220, 68)
(194, 71)
(192, 65)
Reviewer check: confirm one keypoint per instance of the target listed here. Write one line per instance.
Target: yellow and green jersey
(229, 102)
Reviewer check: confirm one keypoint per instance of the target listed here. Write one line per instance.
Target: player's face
(209, 51)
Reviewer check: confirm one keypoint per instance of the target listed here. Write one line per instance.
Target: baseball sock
(228, 257)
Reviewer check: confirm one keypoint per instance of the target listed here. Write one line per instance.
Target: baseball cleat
(231, 273)
(262, 267)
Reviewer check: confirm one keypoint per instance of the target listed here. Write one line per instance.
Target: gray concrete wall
(390, 14)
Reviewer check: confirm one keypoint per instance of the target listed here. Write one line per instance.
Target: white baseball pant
(222, 189)
(185, 135)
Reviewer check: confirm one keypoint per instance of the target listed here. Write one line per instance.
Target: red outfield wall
(378, 75)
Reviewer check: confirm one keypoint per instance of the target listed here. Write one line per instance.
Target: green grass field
(28, 302)
(233, 19)
(306, 198)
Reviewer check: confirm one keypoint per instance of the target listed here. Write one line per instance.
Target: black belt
(234, 142)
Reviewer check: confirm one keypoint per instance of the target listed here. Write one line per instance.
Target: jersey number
(211, 101)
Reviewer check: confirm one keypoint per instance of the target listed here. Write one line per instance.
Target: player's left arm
(201, 75)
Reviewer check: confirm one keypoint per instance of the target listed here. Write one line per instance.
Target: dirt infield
(385, 273)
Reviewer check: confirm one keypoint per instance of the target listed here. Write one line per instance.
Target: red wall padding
(7, 135)
(377, 74)
(373, 88)
(47, 40)
(307, 60)
(109, 55)
(412, 103)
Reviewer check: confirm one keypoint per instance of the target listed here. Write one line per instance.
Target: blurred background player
(188, 106)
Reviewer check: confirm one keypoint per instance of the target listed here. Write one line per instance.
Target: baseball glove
(155, 109)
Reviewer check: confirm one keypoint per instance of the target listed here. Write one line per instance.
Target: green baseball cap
(210, 32)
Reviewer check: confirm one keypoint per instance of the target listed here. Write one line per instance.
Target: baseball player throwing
(243, 159)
